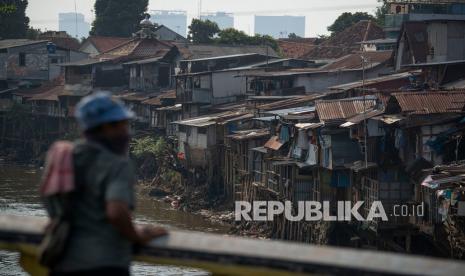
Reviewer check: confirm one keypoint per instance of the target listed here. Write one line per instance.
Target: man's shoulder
(97, 153)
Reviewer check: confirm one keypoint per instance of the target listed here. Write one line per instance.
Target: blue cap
(100, 108)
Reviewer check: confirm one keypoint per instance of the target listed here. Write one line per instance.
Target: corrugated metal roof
(144, 61)
(212, 119)
(308, 125)
(49, 95)
(343, 108)
(389, 119)
(431, 102)
(260, 149)
(368, 82)
(132, 96)
(198, 51)
(176, 107)
(291, 111)
(459, 84)
(250, 134)
(11, 43)
(293, 102)
(158, 99)
(354, 61)
(266, 119)
(367, 115)
(198, 122)
(85, 62)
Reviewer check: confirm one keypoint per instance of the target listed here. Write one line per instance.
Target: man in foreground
(98, 209)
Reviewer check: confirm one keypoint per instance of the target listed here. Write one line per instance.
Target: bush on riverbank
(153, 157)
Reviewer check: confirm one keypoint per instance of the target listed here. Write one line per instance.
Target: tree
(381, 12)
(32, 33)
(202, 31)
(235, 37)
(118, 17)
(13, 20)
(293, 36)
(347, 20)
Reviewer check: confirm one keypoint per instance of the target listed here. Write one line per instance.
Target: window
(202, 130)
(22, 59)
(54, 60)
(197, 82)
(182, 128)
(164, 76)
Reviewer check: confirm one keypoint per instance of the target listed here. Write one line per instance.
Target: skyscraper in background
(280, 26)
(175, 20)
(224, 20)
(74, 24)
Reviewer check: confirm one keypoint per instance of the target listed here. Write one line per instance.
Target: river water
(19, 196)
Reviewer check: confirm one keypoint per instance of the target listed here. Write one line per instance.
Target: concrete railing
(224, 255)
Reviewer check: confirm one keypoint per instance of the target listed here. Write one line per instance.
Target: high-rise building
(280, 26)
(74, 24)
(175, 20)
(224, 20)
(401, 11)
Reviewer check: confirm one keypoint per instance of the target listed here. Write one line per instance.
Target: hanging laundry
(302, 139)
(284, 134)
(400, 139)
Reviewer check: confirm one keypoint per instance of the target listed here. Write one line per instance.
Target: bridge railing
(225, 255)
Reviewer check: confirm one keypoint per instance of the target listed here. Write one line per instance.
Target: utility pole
(365, 128)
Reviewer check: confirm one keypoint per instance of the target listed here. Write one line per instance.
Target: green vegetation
(201, 31)
(13, 20)
(293, 36)
(154, 159)
(381, 12)
(208, 32)
(148, 146)
(149, 154)
(347, 20)
(118, 17)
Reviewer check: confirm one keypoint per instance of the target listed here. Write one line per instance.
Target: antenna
(75, 19)
(200, 9)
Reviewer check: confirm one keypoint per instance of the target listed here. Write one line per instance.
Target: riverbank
(196, 202)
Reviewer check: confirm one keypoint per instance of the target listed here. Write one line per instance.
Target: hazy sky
(319, 13)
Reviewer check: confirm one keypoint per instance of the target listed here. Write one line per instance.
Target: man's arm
(119, 215)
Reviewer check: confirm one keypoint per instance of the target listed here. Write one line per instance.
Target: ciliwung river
(19, 196)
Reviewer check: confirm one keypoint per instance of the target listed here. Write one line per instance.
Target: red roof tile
(346, 42)
(65, 42)
(105, 43)
(295, 49)
(138, 49)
